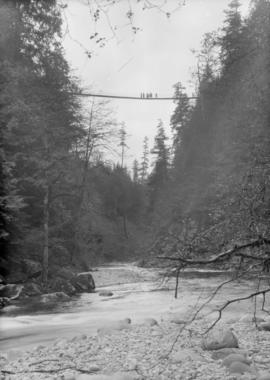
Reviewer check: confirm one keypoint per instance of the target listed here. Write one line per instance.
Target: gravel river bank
(93, 339)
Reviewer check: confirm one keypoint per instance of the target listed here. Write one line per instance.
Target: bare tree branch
(261, 292)
(224, 255)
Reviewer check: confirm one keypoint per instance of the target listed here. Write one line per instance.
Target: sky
(152, 60)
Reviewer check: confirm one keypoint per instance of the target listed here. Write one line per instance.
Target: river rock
(217, 341)
(54, 297)
(83, 282)
(150, 322)
(224, 352)
(105, 293)
(235, 358)
(239, 367)
(265, 326)
(177, 319)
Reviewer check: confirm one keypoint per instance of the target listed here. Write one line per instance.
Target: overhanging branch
(261, 292)
(224, 255)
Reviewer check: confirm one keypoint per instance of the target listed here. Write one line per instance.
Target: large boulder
(220, 340)
(65, 280)
(83, 282)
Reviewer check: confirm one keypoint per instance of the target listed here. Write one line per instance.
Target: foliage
(160, 173)
(59, 196)
(54, 204)
(220, 177)
(144, 161)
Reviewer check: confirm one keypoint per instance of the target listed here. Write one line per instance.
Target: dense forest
(63, 204)
(220, 167)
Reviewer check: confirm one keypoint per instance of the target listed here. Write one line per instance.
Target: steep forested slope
(60, 204)
(221, 175)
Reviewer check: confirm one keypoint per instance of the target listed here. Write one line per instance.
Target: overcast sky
(153, 60)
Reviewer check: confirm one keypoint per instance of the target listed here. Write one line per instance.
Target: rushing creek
(26, 325)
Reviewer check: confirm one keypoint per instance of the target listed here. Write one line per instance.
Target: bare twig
(262, 292)
(48, 370)
(43, 361)
(177, 281)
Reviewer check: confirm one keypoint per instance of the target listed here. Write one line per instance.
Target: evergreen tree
(231, 42)
(40, 115)
(123, 144)
(222, 169)
(135, 170)
(160, 174)
(181, 114)
(145, 161)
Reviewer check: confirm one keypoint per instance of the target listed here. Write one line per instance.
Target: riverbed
(138, 293)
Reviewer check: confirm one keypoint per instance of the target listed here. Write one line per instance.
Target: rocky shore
(154, 350)
(63, 282)
(167, 347)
